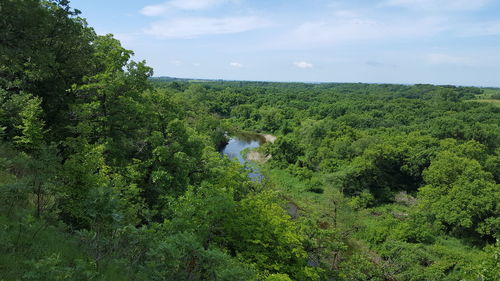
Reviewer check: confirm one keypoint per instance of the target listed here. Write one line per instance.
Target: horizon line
(316, 82)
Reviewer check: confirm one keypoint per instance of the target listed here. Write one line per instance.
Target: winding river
(240, 142)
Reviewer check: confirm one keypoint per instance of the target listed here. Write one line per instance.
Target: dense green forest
(109, 174)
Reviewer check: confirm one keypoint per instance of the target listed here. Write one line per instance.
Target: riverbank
(269, 138)
(257, 156)
(243, 145)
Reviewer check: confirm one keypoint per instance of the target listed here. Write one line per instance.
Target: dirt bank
(257, 156)
(269, 138)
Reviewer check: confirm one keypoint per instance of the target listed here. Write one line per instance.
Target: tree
(182, 257)
(45, 48)
(31, 127)
(460, 195)
(109, 108)
(261, 233)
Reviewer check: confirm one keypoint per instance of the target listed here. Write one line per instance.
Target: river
(240, 142)
(243, 141)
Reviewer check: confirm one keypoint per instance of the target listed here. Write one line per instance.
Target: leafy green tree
(176, 153)
(261, 233)
(271, 119)
(54, 268)
(183, 257)
(489, 265)
(45, 49)
(85, 190)
(109, 107)
(460, 195)
(278, 277)
(285, 150)
(32, 126)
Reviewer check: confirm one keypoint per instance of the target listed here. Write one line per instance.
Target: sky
(454, 42)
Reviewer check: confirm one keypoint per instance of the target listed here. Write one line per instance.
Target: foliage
(108, 174)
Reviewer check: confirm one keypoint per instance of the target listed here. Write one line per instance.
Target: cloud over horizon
(236, 64)
(161, 9)
(196, 27)
(439, 5)
(353, 28)
(303, 64)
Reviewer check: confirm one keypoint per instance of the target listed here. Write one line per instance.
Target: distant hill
(247, 82)
(176, 79)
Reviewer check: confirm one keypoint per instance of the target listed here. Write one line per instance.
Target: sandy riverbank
(269, 138)
(257, 156)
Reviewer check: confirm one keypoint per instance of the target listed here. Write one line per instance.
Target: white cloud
(439, 5)
(160, 9)
(196, 4)
(155, 10)
(341, 30)
(303, 64)
(448, 59)
(236, 64)
(355, 26)
(195, 27)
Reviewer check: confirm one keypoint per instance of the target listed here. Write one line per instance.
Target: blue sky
(379, 41)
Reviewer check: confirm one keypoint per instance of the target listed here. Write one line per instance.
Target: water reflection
(241, 142)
